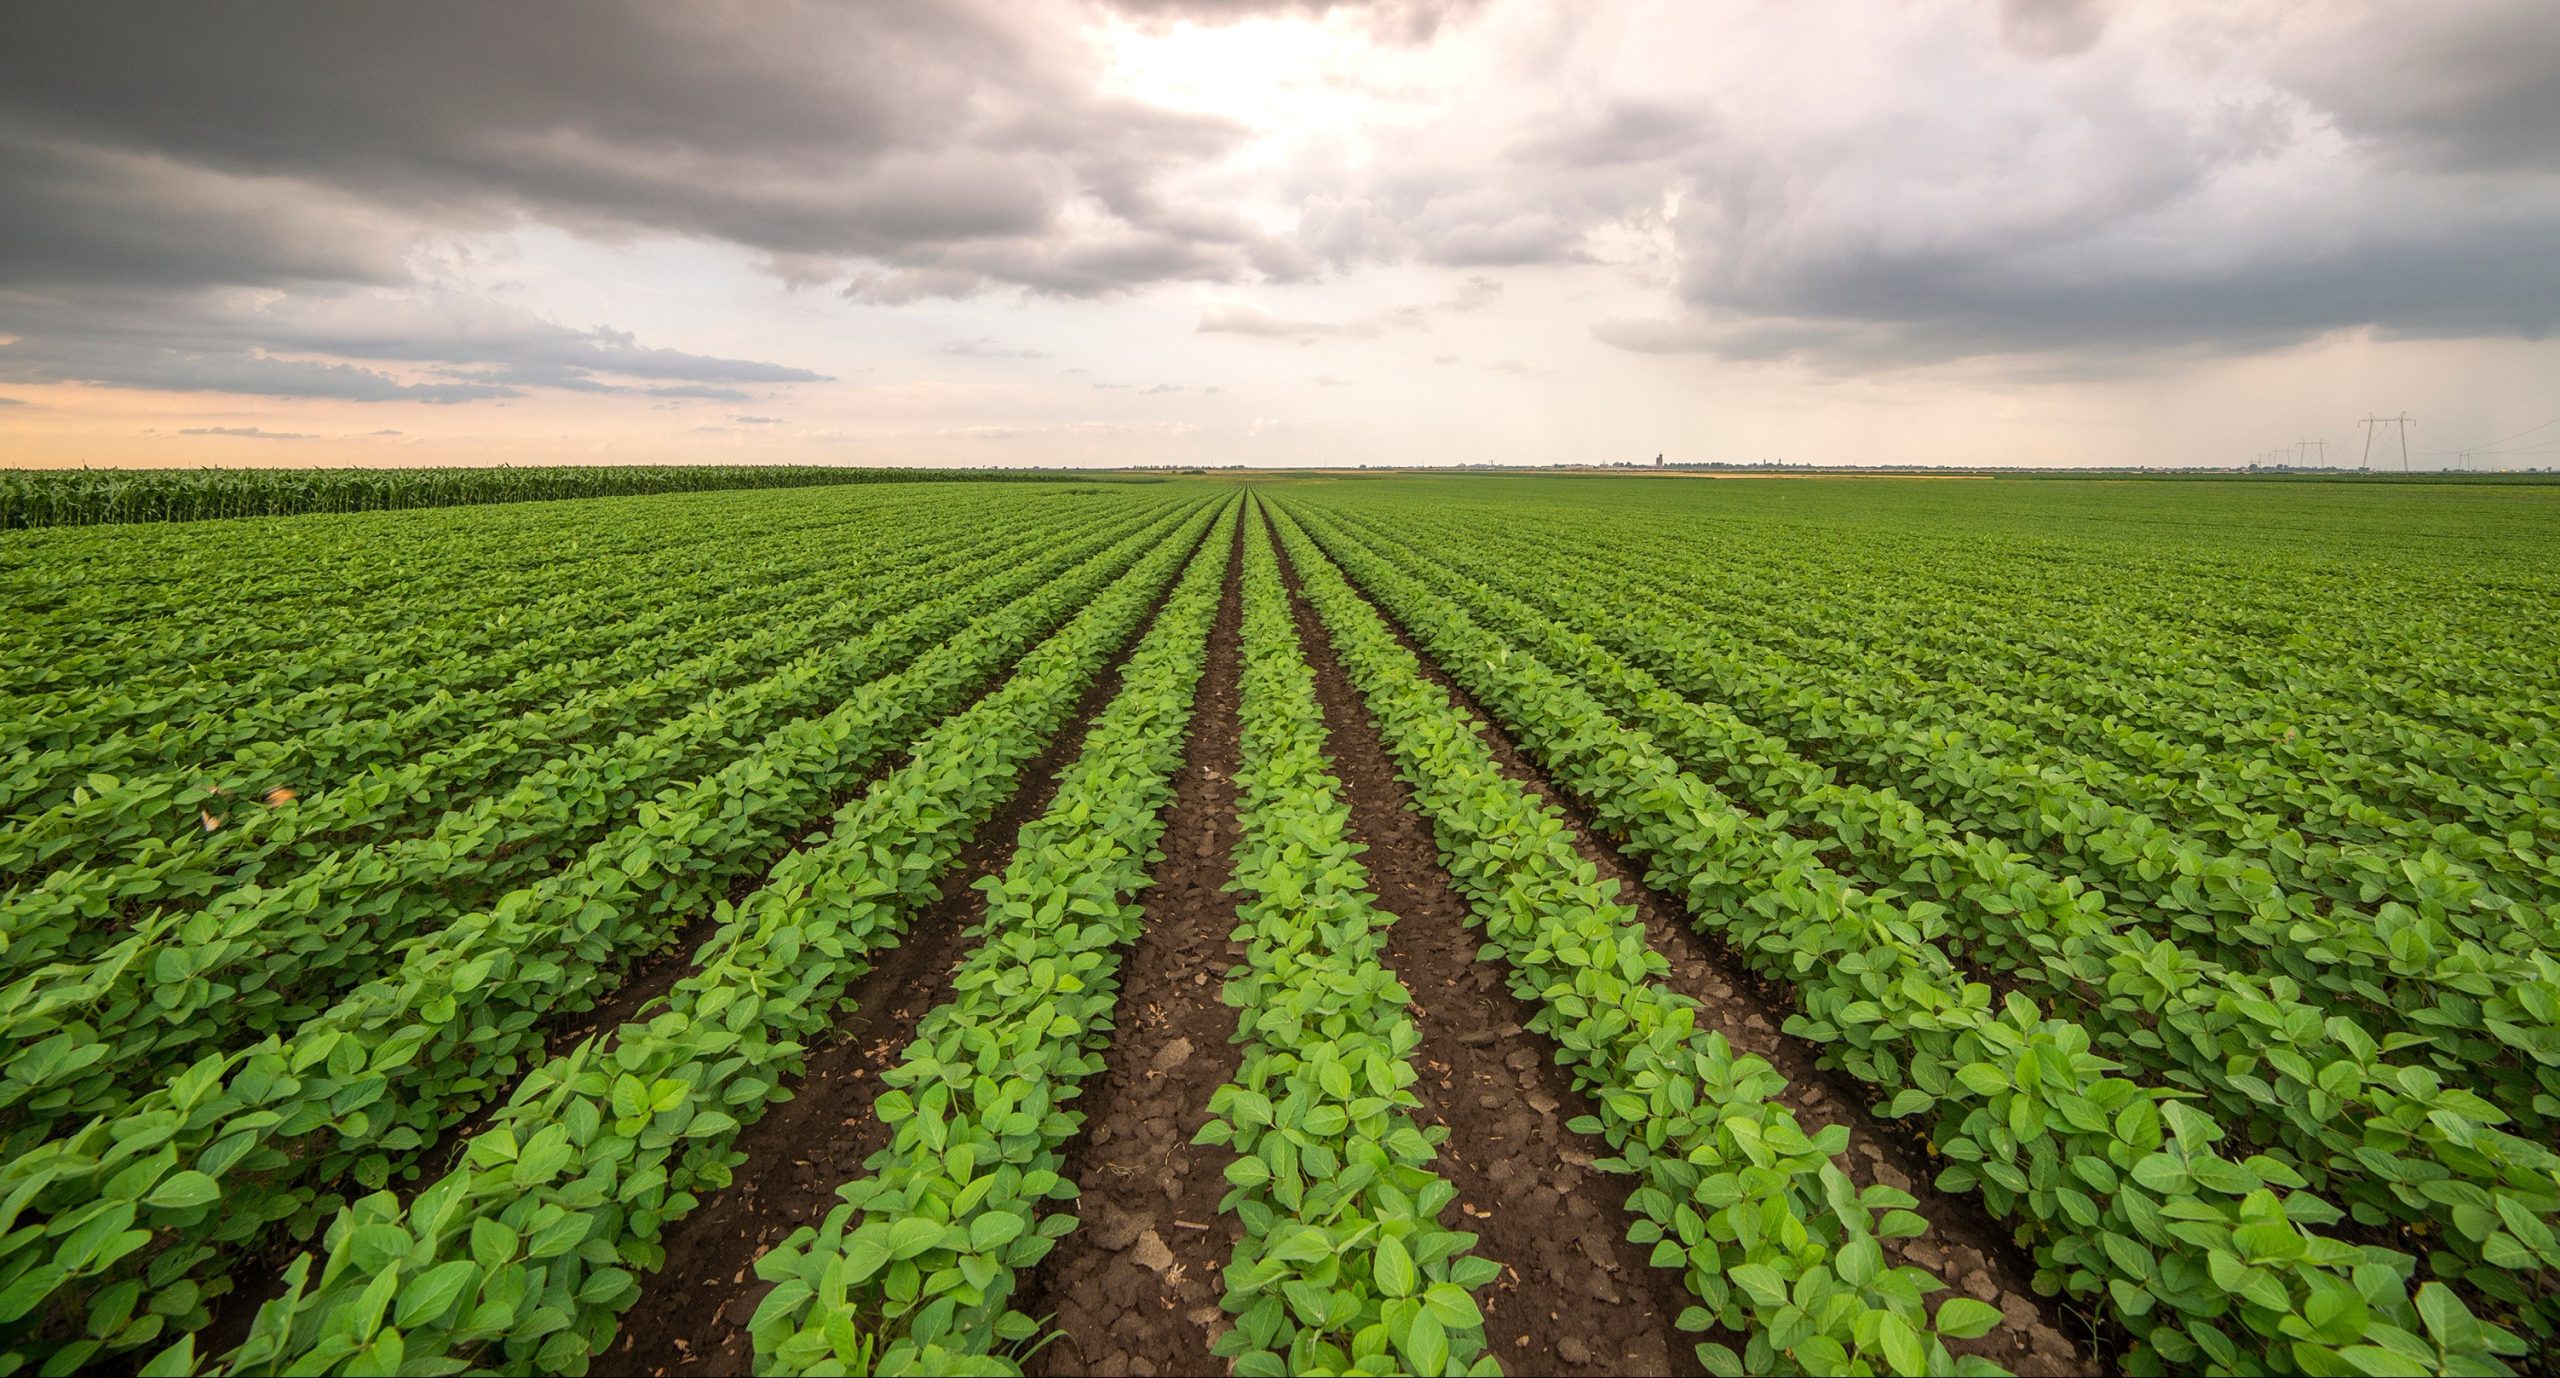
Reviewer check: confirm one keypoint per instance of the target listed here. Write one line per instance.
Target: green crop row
(2390, 1140)
(916, 1271)
(1769, 1232)
(1864, 653)
(460, 615)
(2469, 972)
(2263, 642)
(564, 758)
(1342, 1265)
(357, 1093)
(2120, 1185)
(87, 1036)
(411, 763)
(2251, 806)
(525, 1255)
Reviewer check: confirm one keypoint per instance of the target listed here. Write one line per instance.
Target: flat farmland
(1391, 924)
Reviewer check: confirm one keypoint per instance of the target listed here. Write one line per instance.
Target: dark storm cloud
(156, 160)
(220, 342)
(2072, 215)
(905, 133)
(142, 364)
(2467, 86)
(1882, 311)
(234, 197)
(77, 213)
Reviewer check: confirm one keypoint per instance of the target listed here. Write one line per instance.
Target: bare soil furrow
(1135, 1289)
(692, 1315)
(1964, 1246)
(1575, 1296)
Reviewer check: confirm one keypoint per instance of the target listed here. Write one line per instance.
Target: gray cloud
(1397, 21)
(134, 218)
(985, 347)
(945, 140)
(757, 420)
(2467, 86)
(227, 342)
(2052, 28)
(1160, 389)
(2073, 214)
(908, 150)
(1250, 320)
(246, 432)
(1620, 130)
(1885, 311)
(142, 364)
(12, 402)
(1474, 294)
(242, 200)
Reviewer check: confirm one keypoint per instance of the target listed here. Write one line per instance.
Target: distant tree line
(95, 497)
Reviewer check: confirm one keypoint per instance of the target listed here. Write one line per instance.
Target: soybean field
(1292, 924)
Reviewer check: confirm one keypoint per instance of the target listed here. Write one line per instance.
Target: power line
(2372, 423)
(2493, 446)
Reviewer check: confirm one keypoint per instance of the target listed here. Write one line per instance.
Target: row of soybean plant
(2120, 1183)
(526, 1254)
(2392, 1140)
(241, 1147)
(88, 1032)
(918, 1270)
(369, 751)
(1769, 1232)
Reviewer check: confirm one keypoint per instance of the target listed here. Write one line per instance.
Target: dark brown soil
(692, 1315)
(1964, 1247)
(1135, 1288)
(1574, 1296)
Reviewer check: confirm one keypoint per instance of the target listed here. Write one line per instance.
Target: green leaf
(912, 1236)
(427, 1296)
(1426, 1344)
(1456, 1310)
(184, 1191)
(1902, 1345)
(1963, 1318)
(1393, 1268)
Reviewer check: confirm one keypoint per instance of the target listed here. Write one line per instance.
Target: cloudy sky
(1277, 232)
